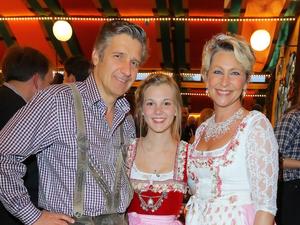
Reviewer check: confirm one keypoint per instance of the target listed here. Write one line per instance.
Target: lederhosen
(111, 217)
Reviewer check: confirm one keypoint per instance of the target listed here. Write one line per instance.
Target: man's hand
(50, 218)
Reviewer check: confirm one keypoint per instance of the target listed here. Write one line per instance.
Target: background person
(25, 72)
(187, 131)
(233, 162)
(50, 128)
(77, 68)
(287, 132)
(157, 160)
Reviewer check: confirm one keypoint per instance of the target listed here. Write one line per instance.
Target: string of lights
(205, 94)
(149, 19)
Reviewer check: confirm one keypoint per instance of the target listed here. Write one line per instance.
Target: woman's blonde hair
(156, 80)
(228, 42)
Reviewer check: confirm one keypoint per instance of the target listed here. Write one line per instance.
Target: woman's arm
(262, 165)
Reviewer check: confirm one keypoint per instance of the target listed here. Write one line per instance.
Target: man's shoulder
(9, 97)
(57, 90)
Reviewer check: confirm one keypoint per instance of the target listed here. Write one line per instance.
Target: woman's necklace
(214, 129)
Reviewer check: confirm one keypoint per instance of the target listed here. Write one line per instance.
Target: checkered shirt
(46, 126)
(287, 132)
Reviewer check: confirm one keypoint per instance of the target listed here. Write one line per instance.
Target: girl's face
(159, 108)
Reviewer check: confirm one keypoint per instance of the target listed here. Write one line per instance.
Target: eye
(117, 56)
(149, 103)
(217, 72)
(167, 103)
(135, 63)
(235, 73)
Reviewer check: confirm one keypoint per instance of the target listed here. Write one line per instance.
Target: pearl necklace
(214, 129)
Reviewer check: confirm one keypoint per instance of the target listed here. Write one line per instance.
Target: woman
(157, 160)
(233, 162)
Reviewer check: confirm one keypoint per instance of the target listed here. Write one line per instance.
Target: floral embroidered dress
(157, 198)
(231, 183)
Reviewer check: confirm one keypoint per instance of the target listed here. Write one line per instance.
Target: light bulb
(62, 30)
(260, 40)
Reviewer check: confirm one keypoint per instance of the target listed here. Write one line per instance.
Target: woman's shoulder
(256, 116)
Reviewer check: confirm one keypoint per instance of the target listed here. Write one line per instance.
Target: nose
(225, 79)
(158, 109)
(126, 68)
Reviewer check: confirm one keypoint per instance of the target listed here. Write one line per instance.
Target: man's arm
(288, 163)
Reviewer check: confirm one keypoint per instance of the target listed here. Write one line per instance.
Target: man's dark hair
(78, 66)
(117, 27)
(21, 63)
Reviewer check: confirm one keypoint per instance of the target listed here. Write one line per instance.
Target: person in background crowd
(157, 160)
(204, 115)
(192, 123)
(79, 132)
(287, 132)
(58, 78)
(186, 131)
(25, 72)
(77, 68)
(233, 162)
(258, 107)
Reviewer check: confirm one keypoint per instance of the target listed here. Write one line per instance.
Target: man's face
(116, 69)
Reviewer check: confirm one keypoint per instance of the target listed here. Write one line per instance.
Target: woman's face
(226, 80)
(159, 108)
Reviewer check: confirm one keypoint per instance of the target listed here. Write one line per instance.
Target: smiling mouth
(158, 120)
(122, 80)
(224, 92)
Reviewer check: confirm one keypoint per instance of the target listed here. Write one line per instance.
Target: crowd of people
(72, 153)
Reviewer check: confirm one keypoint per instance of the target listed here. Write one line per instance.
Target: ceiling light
(62, 30)
(260, 40)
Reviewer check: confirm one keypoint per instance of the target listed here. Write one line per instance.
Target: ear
(36, 79)
(95, 57)
(204, 77)
(72, 78)
(246, 83)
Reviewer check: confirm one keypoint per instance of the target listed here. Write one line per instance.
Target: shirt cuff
(29, 214)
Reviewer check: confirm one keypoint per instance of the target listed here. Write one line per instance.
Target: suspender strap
(112, 199)
(82, 160)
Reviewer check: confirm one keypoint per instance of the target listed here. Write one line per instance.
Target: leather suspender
(112, 198)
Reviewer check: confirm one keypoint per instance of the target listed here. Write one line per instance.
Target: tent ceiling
(174, 45)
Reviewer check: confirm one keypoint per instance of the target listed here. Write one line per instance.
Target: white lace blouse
(246, 167)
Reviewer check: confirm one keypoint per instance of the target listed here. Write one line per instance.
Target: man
(186, 130)
(50, 128)
(77, 68)
(25, 71)
(287, 132)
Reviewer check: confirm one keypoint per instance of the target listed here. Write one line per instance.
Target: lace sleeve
(262, 158)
